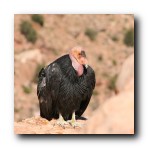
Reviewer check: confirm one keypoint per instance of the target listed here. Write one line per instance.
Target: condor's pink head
(78, 58)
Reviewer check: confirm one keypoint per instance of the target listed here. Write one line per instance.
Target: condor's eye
(80, 54)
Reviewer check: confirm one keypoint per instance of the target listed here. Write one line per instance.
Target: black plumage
(61, 90)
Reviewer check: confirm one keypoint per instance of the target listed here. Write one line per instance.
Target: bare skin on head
(78, 58)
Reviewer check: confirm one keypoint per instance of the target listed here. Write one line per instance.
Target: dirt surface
(38, 125)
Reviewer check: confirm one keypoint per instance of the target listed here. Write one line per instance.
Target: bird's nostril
(83, 54)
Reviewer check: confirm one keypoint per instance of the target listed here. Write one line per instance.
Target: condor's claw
(73, 122)
(61, 122)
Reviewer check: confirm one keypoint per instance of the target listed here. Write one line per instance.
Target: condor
(65, 87)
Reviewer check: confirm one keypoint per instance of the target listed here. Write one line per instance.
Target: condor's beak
(86, 66)
(85, 61)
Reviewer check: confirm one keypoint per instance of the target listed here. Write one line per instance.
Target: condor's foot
(73, 122)
(61, 122)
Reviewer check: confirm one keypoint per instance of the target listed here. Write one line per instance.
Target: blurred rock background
(109, 43)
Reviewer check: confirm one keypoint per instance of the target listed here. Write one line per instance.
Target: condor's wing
(48, 89)
(90, 83)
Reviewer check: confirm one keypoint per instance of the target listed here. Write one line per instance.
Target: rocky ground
(38, 125)
(101, 35)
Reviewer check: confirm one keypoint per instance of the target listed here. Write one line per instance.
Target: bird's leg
(73, 122)
(61, 121)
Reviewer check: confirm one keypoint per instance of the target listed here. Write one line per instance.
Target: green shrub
(100, 57)
(104, 74)
(38, 68)
(38, 19)
(32, 36)
(114, 62)
(16, 110)
(129, 37)
(54, 51)
(112, 82)
(94, 104)
(91, 33)
(115, 38)
(28, 31)
(95, 93)
(27, 89)
(25, 27)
